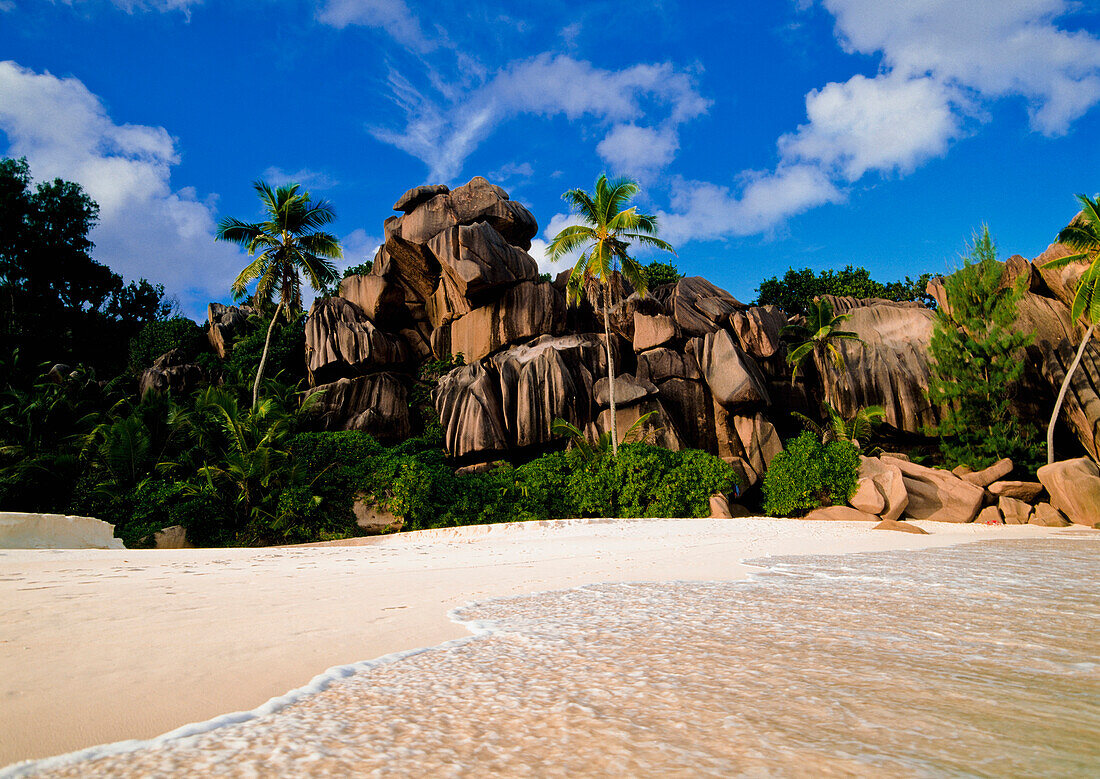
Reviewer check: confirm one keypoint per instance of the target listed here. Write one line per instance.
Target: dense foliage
(796, 290)
(809, 474)
(657, 273)
(56, 302)
(977, 364)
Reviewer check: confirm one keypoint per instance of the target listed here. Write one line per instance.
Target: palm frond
(570, 239)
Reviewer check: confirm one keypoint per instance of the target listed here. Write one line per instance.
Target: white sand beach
(105, 645)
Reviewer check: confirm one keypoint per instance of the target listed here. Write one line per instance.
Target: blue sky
(766, 135)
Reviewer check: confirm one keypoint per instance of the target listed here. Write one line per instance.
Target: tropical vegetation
(977, 363)
(819, 336)
(797, 289)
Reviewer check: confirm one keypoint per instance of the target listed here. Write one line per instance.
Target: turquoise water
(972, 660)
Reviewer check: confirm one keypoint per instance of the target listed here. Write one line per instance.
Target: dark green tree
(795, 292)
(658, 273)
(977, 364)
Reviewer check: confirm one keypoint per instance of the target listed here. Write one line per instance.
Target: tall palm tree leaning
(288, 244)
(608, 230)
(1083, 236)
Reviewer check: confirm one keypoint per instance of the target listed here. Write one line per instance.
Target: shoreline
(105, 646)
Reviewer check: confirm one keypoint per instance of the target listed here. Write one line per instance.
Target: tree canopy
(56, 302)
(796, 290)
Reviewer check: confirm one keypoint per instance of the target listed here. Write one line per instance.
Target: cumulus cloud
(444, 135)
(941, 60)
(1011, 47)
(638, 151)
(889, 123)
(146, 229)
(540, 246)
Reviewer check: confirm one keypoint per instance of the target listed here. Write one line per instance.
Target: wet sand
(105, 645)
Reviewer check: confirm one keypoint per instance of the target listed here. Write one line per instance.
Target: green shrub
(809, 474)
(285, 358)
(156, 338)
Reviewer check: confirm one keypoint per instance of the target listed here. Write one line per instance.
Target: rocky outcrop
(1074, 488)
(524, 312)
(757, 329)
(697, 306)
(1081, 408)
(171, 372)
(373, 519)
(377, 404)
(224, 324)
(342, 341)
(890, 368)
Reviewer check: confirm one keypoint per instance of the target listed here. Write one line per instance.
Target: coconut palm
(819, 336)
(603, 240)
(286, 245)
(1083, 236)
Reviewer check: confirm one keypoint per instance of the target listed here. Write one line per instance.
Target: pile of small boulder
(892, 489)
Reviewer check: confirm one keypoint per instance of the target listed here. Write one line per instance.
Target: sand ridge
(107, 645)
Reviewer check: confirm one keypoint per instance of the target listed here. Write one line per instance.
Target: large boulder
(747, 441)
(890, 368)
(698, 306)
(548, 379)
(889, 482)
(469, 405)
(377, 404)
(380, 299)
(653, 331)
(757, 329)
(417, 195)
(937, 494)
(525, 311)
(867, 497)
(628, 390)
(733, 377)
(476, 201)
(475, 259)
(691, 409)
(987, 476)
(224, 324)
(1027, 491)
(342, 341)
(658, 365)
(1015, 512)
(841, 514)
(171, 372)
(1074, 488)
(1045, 515)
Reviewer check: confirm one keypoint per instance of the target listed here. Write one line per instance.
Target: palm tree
(608, 230)
(289, 243)
(1082, 235)
(819, 336)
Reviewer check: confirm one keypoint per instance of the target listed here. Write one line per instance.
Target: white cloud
(638, 151)
(309, 179)
(392, 16)
(145, 228)
(540, 246)
(940, 60)
(1003, 48)
(511, 171)
(889, 123)
(359, 246)
(547, 85)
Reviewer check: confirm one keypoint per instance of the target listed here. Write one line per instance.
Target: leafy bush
(156, 338)
(809, 474)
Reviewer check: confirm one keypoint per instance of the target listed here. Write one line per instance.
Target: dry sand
(105, 645)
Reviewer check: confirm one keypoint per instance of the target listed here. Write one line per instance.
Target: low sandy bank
(105, 645)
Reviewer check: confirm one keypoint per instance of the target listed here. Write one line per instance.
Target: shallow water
(972, 660)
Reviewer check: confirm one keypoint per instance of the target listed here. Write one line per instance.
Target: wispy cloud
(309, 179)
(444, 133)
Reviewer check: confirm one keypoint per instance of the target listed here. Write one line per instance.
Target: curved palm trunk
(610, 371)
(263, 359)
(1063, 390)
